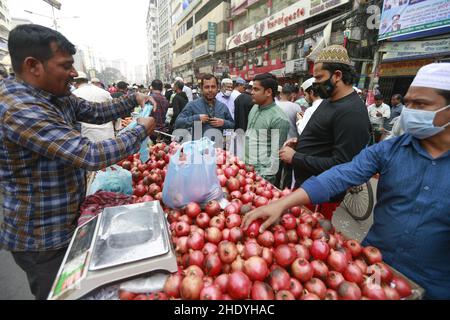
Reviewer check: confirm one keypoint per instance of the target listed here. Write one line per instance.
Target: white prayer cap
(308, 83)
(227, 81)
(81, 75)
(357, 90)
(434, 75)
(179, 79)
(280, 88)
(95, 80)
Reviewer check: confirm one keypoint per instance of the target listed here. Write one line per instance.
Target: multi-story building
(165, 40)
(153, 40)
(199, 36)
(277, 35)
(4, 33)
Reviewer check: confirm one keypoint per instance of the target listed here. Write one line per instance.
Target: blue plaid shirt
(43, 161)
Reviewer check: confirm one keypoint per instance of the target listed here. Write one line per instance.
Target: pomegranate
(213, 235)
(232, 184)
(196, 257)
(302, 251)
(280, 237)
(239, 285)
(202, 220)
(372, 255)
(217, 222)
(222, 180)
(126, 165)
(304, 230)
(296, 211)
(253, 229)
(402, 286)
(157, 296)
(252, 248)
(174, 215)
(310, 296)
(302, 270)
(262, 291)
(191, 288)
(284, 255)
(292, 236)
(237, 203)
(233, 220)
(125, 295)
(320, 250)
(182, 229)
(334, 280)
(288, 221)
(353, 273)
(182, 245)
(337, 261)
(209, 248)
(330, 294)
(391, 293)
(246, 208)
(213, 265)
(296, 288)
(236, 235)
(231, 209)
(382, 270)
(319, 234)
(260, 202)
(226, 234)
(185, 218)
(266, 239)
(227, 252)
(349, 291)
(267, 255)
(211, 292)
(194, 270)
(284, 295)
(354, 247)
(140, 190)
(256, 268)
(212, 208)
(361, 264)
(154, 189)
(196, 241)
(279, 279)
(236, 195)
(222, 281)
(317, 287)
(238, 264)
(247, 197)
(373, 291)
(192, 210)
(320, 269)
(230, 172)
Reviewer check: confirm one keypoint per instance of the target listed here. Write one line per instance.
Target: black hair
(268, 81)
(445, 94)
(348, 72)
(157, 85)
(122, 85)
(167, 86)
(398, 97)
(178, 85)
(378, 97)
(31, 40)
(288, 89)
(311, 91)
(209, 76)
(3, 71)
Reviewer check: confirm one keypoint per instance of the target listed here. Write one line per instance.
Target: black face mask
(324, 89)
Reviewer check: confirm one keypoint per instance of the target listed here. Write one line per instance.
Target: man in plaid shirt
(43, 158)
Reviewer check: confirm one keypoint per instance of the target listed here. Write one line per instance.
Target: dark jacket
(242, 107)
(178, 103)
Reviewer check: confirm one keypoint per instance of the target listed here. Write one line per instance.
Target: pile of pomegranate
(301, 258)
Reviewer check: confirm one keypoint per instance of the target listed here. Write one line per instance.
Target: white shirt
(94, 132)
(385, 111)
(290, 109)
(301, 124)
(228, 101)
(188, 92)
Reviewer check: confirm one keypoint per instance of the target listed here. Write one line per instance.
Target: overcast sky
(116, 28)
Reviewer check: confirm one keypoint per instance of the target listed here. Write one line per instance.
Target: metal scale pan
(121, 243)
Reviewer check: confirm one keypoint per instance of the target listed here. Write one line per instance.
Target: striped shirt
(43, 160)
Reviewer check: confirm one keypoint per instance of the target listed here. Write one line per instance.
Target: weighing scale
(120, 243)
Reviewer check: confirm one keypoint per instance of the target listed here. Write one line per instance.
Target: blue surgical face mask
(419, 123)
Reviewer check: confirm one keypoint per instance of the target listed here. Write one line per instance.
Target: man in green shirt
(268, 127)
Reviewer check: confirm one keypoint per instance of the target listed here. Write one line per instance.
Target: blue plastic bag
(191, 175)
(114, 179)
(144, 151)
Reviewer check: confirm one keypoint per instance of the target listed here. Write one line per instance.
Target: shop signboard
(295, 66)
(404, 19)
(212, 32)
(402, 68)
(297, 12)
(414, 49)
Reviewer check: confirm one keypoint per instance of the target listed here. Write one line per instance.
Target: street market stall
(208, 256)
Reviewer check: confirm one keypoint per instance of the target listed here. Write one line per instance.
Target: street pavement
(14, 285)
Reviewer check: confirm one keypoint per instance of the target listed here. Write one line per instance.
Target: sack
(113, 179)
(191, 175)
(145, 113)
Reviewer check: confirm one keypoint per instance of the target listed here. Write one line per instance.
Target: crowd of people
(56, 125)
